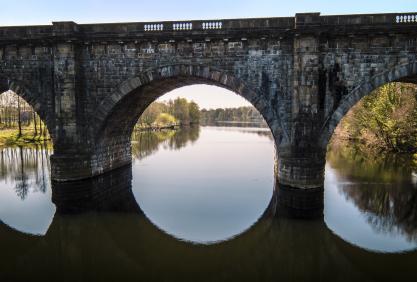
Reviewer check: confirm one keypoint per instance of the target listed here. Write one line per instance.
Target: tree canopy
(385, 120)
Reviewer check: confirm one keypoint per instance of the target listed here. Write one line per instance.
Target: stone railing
(153, 27)
(406, 18)
(283, 24)
(370, 19)
(214, 25)
(182, 26)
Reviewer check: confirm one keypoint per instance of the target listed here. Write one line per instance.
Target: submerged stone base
(110, 192)
(300, 203)
(70, 167)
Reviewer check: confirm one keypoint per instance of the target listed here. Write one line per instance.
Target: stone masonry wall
(90, 83)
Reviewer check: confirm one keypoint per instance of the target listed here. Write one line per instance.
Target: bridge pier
(300, 184)
(104, 158)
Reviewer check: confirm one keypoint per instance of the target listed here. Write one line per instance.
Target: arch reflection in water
(119, 242)
(25, 194)
(204, 184)
(371, 202)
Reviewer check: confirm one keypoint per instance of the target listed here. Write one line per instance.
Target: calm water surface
(197, 204)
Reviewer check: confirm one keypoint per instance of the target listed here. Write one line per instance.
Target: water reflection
(205, 184)
(145, 143)
(371, 200)
(109, 238)
(25, 197)
(132, 223)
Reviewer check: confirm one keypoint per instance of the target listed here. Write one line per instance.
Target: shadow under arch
(400, 73)
(112, 238)
(33, 99)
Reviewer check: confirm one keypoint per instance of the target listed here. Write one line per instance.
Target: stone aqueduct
(91, 82)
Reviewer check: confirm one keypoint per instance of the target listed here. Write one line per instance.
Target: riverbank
(353, 148)
(10, 137)
(157, 128)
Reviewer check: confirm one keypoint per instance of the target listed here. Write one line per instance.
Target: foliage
(164, 119)
(244, 114)
(174, 112)
(384, 120)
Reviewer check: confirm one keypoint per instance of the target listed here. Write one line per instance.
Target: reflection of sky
(32, 215)
(348, 222)
(210, 190)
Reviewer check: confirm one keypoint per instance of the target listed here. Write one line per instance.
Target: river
(198, 204)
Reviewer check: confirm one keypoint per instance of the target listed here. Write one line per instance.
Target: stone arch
(114, 119)
(150, 85)
(31, 98)
(400, 73)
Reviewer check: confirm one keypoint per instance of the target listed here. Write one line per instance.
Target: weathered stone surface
(90, 83)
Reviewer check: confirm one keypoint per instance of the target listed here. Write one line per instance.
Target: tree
(385, 120)
(19, 121)
(181, 111)
(194, 112)
(35, 125)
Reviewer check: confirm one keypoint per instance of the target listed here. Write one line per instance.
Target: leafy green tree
(384, 120)
(165, 119)
(194, 112)
(181, 111)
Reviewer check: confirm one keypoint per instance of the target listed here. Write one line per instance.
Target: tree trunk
(19, 121)
(40, 127)
(34, 124)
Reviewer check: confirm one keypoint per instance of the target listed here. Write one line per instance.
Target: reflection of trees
(388, 208)
(145, 143)
(22, 186)
(254, 128)
(27, 168)
(371, 167)
(381, 187)
(183, 136)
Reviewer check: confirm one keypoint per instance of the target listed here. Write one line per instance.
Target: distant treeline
(183, 112)
(240, 114)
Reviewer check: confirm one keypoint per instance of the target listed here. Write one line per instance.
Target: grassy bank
(10, 137)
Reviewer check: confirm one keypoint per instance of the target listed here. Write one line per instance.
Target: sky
(207, 96)
(26, 12)
(37, 12)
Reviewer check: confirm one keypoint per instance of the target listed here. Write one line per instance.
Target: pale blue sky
(33, 12)
(18, 12)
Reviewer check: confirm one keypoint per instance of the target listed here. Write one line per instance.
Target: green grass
(10, 137)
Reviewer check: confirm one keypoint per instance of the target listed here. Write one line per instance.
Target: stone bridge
(91, 82)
